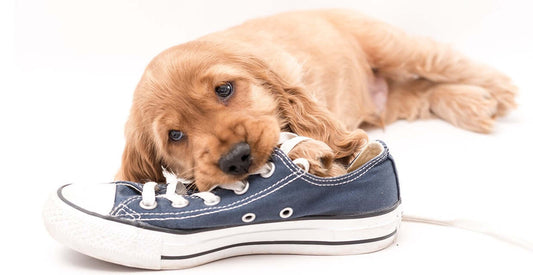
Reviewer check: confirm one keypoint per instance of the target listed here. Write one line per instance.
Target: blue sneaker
(280, 210)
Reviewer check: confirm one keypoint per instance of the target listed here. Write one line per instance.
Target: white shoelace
(176, 188)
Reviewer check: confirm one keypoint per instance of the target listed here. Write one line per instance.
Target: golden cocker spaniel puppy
(212, 109)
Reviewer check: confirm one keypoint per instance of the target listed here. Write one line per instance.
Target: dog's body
(205, 104)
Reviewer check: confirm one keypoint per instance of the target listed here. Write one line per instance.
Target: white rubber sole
(134, 246)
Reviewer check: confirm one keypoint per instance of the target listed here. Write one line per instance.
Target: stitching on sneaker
(343, 182)
(223, 209)
(137, 215)
(341, 179)
(229, 205)
(129, 213)
(124, 204)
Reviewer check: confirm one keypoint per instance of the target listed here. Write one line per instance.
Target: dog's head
(212, 114)
(203, 112)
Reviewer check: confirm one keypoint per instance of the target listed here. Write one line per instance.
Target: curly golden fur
(320, 74)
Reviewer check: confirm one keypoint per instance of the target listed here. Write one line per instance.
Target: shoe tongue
(372, 150)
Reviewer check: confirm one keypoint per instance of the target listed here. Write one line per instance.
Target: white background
(68, 70)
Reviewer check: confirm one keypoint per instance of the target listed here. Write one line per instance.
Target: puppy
(212, 109)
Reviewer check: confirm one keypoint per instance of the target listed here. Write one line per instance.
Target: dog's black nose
(237, 160)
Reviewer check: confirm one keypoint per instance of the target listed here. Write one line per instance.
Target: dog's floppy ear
(304, 116)
(140, 162)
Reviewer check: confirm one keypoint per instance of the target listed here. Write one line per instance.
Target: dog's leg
(438, 63)
(467, 86)
(467, 106)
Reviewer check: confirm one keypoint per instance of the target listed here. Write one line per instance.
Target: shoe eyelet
(212, 202)
(248, 217)
(270, 172)
(286, 212)
(244, 189)
(147, 207)
(180, 204)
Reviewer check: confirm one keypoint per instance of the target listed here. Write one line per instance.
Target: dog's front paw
(320, 156)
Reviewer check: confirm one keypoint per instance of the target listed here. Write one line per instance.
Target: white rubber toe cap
(96, 198)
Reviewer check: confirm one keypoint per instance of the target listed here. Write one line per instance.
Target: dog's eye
(176, 135)
(224, 90)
